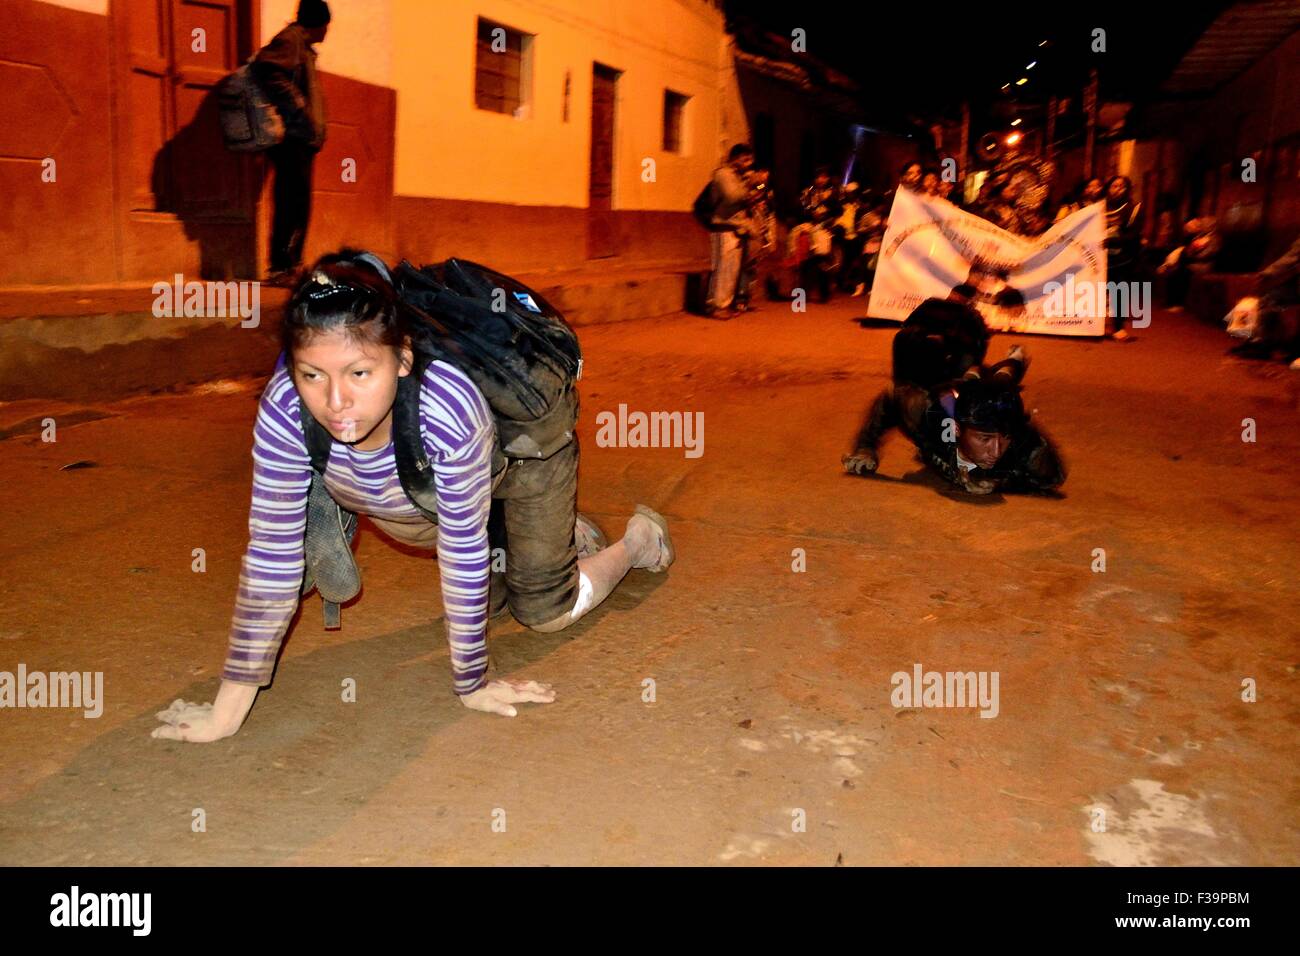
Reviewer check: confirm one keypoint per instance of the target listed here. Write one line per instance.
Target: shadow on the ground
(302, 765)
(926, 478)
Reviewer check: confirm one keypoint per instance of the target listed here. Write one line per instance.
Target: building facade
(529, 134)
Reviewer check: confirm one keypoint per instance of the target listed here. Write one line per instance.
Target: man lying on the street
(972, 430)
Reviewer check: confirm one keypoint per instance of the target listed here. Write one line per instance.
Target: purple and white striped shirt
(458, 431)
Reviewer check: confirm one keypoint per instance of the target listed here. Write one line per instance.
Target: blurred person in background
(822, 192)
(760, 245)
(1201, 247)
(849, 239)
(1123, 241)
(1089, 192)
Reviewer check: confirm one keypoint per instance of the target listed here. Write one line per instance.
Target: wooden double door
(185, 203)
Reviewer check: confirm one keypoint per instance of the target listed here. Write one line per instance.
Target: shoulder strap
(317, 438)
(414, 470)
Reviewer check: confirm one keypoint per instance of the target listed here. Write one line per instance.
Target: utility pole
(1090, 112)
(963, 144)
(1049, 149)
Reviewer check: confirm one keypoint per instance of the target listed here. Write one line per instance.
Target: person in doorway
(286, 70)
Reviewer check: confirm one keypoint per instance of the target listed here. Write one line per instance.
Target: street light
(1016, 121)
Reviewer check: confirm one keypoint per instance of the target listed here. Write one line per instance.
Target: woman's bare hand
(204, 723)
(497, 696)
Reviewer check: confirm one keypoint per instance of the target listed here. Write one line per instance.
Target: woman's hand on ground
(496, 696)
(204, 723)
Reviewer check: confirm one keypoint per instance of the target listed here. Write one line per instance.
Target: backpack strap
(317, 438)
(330, 566)
(414, 470)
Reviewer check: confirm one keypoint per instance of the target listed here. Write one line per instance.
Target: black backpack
(511, 342)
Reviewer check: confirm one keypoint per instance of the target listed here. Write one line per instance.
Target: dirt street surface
(1121, 734)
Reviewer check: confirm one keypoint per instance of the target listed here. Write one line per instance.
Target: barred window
(674, 113)
(501, 69)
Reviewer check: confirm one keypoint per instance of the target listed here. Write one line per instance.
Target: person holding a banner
(973, 429)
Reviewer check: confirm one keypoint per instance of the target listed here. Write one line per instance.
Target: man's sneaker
(667, 553)
(588, 537)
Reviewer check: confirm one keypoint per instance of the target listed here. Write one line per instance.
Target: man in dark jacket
(286, 70)
(972, 429)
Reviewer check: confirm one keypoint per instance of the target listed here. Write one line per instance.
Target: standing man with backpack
(723, 208)
(286, 71)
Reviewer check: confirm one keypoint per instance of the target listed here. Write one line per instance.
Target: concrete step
(96, 342)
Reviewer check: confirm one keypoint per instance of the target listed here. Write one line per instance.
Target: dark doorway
(601, 236)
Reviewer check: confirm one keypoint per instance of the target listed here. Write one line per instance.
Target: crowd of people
(829, 242)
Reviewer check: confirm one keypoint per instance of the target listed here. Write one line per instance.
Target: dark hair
(902, 170)
(740, 149)
(313, 13)
(348, 291)
(990, 404)
(1128, 183)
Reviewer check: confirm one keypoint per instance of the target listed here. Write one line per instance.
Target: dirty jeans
(534, 510)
